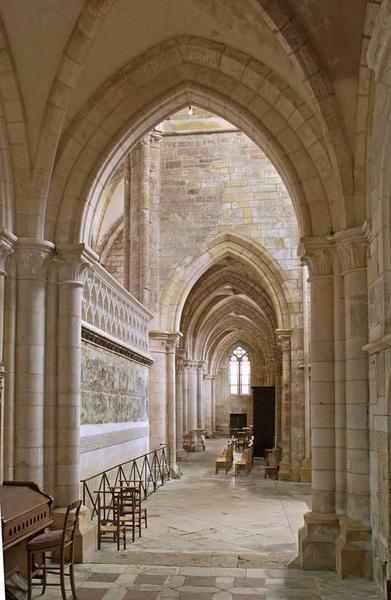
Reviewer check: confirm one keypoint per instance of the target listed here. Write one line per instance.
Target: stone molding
(107, 439)
(378, 345)
(7, 242)
(74, 263)
(352, 246)
(32, 258)
(95, 338)
(317, 254)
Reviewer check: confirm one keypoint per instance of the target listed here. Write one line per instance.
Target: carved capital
(155, 138)
(352, 247)
(7, 242)
(173, 340)
(283, 338)
(318, 255)
(75, 261)
(32, 258)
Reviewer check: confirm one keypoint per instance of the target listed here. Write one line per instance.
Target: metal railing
(150, 471)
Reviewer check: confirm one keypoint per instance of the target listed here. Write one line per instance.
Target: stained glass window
(239, 372)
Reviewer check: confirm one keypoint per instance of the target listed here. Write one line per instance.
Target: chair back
(70, 524)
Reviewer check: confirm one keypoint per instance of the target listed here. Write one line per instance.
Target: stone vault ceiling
(38, 31)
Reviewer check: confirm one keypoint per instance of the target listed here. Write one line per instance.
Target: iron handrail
(150, 471)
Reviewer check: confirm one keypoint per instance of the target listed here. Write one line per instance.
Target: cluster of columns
(40, 363)
(336, 532)
(141, 220)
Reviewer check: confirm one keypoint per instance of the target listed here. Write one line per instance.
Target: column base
(86, 532)
(285, 472)
(175, 472)
(317, 541)
(180, 454)
(305, 471)
(354, 550)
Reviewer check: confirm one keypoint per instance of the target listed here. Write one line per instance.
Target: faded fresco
(113, 388)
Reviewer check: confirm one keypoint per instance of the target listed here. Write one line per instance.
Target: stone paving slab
(199, 583)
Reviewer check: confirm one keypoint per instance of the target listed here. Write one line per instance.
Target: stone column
(278, 392)
(143, 203)
(208, 403)
(305, 473)
(340, 391)
(31, 261)
(213, 402)
(157, 390)
(200, 400)
(179, 401)
(184, 399)
(191, 367)
(7, 242)
(73, 265)
(126, 223)
(321, 528)
(172, 342)
(284, 340)
(354, 552)
(154, 219)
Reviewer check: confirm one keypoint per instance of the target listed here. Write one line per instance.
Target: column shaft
(172, 342)
(31, 256)
(126, 230)
(179, 405)
(75, 260)
(357, 451)
(192, 394)
(284, 339)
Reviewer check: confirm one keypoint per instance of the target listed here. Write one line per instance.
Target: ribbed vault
(229, 305)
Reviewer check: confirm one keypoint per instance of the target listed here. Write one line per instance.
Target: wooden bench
(225, 461)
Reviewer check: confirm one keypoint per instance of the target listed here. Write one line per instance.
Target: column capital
(173, 340)
(168, 339)
(191, 364)
(7, 242)
(317, 254)
(155, 138)
(32, 258)
(283, 337)
(74, 263)
(200, 364)
(352, 247)
(209, 377)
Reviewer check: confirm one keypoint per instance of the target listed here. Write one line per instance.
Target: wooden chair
(225, 461)
(110, 527)
(140, 512)
(243, 463)
(60, 540)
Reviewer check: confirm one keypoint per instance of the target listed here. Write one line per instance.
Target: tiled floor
(213, 538)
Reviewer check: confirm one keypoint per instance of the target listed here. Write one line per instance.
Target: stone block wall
(114, 409)
(222, 182)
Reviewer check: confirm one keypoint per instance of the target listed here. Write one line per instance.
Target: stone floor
(204, 512)
(213, 538)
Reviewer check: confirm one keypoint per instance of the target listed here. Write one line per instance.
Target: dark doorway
(263, 397)
(237, 421)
